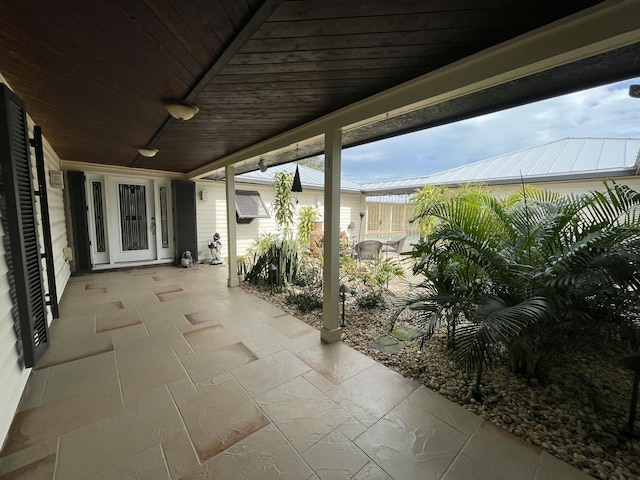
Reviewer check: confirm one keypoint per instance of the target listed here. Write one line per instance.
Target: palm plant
(530, 277)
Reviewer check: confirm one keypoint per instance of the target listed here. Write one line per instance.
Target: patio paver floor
(165, 373)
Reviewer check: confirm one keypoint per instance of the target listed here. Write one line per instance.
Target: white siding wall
(13, 377)
(212, 216)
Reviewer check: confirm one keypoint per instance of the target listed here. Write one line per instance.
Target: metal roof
(567, 159)
(309, 177)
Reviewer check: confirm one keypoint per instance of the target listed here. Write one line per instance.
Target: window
(249, 205)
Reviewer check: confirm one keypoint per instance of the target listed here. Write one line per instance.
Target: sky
(606, 111)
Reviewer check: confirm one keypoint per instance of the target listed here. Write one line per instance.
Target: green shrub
(370, 298)
(533, 279)
(307, 300)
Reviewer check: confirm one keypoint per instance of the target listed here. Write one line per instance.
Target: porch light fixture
(262, 166)
(148, 152)
(634, 91)
(181, 110)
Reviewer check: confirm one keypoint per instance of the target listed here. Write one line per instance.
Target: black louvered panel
(25, 268)
(79, 222)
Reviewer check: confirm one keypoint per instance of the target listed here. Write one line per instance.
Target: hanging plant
(283, 207)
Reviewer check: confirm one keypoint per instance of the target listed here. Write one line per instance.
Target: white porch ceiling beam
(607, 26)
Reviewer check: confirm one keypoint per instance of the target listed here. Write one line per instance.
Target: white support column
(230, 186)
(331, 331)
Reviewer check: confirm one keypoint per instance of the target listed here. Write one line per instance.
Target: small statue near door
(187, 260)
(215, 247)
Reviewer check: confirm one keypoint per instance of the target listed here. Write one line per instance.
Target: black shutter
(184, 219)
(79, 222)
(20, 226)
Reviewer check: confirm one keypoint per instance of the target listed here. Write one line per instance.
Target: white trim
(120, 171)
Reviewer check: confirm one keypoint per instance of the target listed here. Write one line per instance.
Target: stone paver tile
(302, 413)
(352, 428)
(146, 363)
(11, 462)
(32, 395)
(208, 364)
(290, 326)
(74, 347)
(503, 454)
(204, 316)
(303, 342)
(219, 418)
(265, 455)
(148, 465)
(46, 422)
(92, 373)
(269, 372)
(319, 381)
(371, 471)
(209, 338)
(410, 443)
(40, 470)
(110, 441)
(336, 361)
(371, 393)
(259, 337)
(464, 468)
(551, 468)
(444, 409)
(335, 457)
(180, 455)
(72, 325)
(119, 319)
(122, 335)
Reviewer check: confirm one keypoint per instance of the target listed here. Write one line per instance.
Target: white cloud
(605, 111)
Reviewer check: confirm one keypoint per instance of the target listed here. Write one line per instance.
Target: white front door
(136, 223)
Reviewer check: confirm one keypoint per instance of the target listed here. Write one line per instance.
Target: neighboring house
(570, 165)
(567, 165)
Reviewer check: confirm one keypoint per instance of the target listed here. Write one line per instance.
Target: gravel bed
(555, 417)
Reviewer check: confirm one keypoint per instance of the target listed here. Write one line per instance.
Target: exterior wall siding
(13, 377)
(212, 215)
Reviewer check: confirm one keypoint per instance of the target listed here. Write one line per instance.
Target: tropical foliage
(275, 262)
(428, 196)
(307, 215)
(531, 278)
(282, 204)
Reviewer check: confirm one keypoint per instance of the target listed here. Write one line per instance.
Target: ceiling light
(263, 167)
(181, 110)
(148, 152)
(634, 91)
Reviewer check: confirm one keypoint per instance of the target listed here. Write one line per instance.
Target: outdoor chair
(368, 249)
(394, 246)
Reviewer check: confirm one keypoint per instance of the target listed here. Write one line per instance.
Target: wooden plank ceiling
(94, 73)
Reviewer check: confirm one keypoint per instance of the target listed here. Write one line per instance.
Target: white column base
(331, 336)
